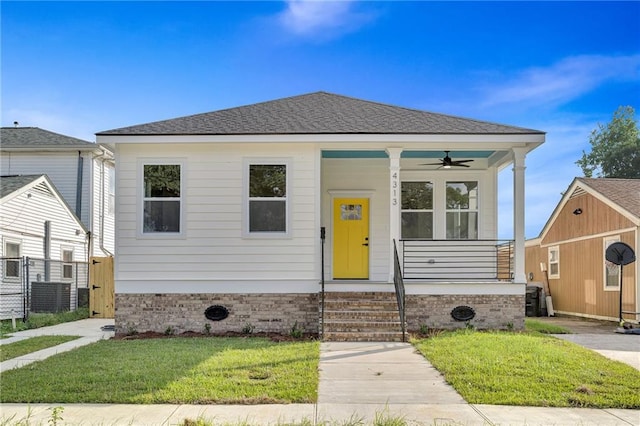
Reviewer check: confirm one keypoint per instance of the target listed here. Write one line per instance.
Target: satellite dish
(620, 254)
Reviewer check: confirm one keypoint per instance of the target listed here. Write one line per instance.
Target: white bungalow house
(82, 171)
(42, 243)
(223, 212)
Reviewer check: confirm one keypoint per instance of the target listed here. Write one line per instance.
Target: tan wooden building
(570, 250)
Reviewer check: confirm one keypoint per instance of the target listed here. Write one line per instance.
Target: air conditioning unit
(50, 297)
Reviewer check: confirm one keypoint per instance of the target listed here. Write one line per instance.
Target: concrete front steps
(361, 317)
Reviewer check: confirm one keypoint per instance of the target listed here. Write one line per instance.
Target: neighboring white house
(226, 208)
(37, 224)
(82, 171)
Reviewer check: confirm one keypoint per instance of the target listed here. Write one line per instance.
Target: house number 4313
(394, 188)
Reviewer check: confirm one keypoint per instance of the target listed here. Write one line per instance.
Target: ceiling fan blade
(459, 165)
(431, 164)
(462, 161)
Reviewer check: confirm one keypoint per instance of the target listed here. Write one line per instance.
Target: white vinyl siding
(62, 170)
(103, 201)
(213, 247)
(22, 219)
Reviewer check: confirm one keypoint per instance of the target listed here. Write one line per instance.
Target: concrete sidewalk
(358, 382)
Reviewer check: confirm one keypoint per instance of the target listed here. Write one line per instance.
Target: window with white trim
(12, 259)
(162, 198)
(67, 264)
(611, 270)
(417, 210)
(462, 210)
(554, 262)
(267, 197)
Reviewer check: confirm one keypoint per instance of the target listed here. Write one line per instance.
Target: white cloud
(564, 80)
(321, 18)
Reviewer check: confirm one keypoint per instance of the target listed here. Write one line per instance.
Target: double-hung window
(267, 184)
(462, 210)
(554, 262)
(67, 264)
(162, 198)
(417, 210)
(12, 260)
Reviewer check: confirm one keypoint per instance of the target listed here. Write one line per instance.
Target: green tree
(615, 148)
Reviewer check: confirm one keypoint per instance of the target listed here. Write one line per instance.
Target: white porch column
(395, 201)
(519, 274)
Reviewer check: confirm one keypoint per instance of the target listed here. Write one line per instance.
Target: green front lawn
(171, 371)
(530, 370)
(36, 320)
(34, 344)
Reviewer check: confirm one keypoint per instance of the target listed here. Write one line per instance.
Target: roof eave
(48, 148)
(531, 139)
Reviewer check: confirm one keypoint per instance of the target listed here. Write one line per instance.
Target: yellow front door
(351, 238)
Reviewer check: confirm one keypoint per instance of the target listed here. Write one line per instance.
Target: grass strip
(37, 320)
(171, 371)
(530, 370)
(33, 344)
(545, 328)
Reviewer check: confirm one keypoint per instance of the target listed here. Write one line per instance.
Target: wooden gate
(101, 288)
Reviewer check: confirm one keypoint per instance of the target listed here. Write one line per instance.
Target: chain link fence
(40, 285)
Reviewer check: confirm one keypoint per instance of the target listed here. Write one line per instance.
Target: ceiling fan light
(446, 166)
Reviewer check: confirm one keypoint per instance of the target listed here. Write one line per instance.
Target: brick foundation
(494, 312)
(185, 312)
(279, 312)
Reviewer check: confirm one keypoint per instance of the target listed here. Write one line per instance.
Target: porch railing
(457, 260)
(399, 285)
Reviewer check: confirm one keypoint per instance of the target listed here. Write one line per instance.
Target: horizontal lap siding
(596, 217)
(580, 288)
(61, 168)
(214, 247)
(23, 219)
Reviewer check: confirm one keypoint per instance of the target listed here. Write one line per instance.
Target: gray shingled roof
(34, 137)
(623, 192)
(318, 113)
(9, 184)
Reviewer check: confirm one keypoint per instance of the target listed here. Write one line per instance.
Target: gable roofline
(583, 184)
(26, 182)
(16, 139)
(318, 113)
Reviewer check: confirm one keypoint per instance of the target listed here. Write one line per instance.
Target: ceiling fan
(447, 162)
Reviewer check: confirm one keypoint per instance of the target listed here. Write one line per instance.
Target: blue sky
(562, 67)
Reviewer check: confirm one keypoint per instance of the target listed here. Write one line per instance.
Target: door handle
(366, 244)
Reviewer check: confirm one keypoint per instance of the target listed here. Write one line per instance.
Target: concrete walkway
(601, 337)
(358, 382)
(89, 330)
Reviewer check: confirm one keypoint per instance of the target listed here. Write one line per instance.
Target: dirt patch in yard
(275, 337)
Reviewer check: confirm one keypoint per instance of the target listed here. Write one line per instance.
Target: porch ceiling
(405, 154)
